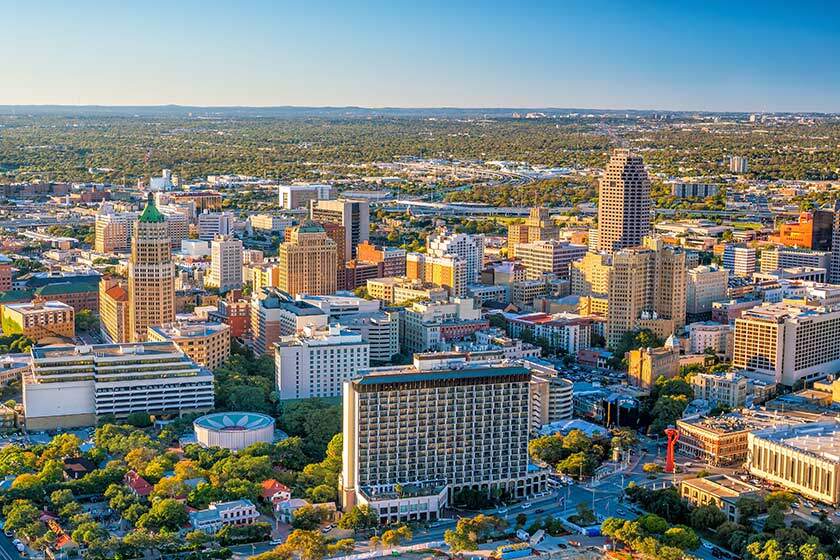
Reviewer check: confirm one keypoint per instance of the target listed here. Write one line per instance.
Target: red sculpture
(673, 435)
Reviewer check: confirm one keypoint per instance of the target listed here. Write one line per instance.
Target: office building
(549, 258)
(211, 224)
(414, 439)
(718, 490)
(804, 459)
(813, 231)
(624, 204)
(781, 258)
(834, 268)
(738, 164)
(379, 330)
(566, 332)
(151, 275)
(70, 386)
(269, 223)
(39, 319)
(274, 315)
(225, 264)
(222, 514)
(292, 197)
(317, 361)
(726, 388)
(468, 248)
(694, 190)
(352, 215)
(778, 343)
(538, 226)
(307, 261)
(199, 201)
(397, 290)
(113, 310)
(235, 313)
(177, 224)
(703, 336)
(705, 285)
(206, 343)
(448, 272)
(339, 306)
(5, 273)
(739, 260)
(391, 258)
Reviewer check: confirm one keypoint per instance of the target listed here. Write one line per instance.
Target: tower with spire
(151, 274)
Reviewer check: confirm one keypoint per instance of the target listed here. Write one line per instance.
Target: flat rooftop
(411, 375)
(721, 486)
(106, 350)
(820, 439)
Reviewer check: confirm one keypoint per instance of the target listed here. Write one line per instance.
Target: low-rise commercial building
(222, 514)
(646, 365)
(719, 490)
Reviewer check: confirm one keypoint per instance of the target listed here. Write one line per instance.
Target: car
(707, 545)
(526, 506)
(794, 505)
(275, 541)
(8, 533)
(20, 547)
(562, 546)
(716, 552)
(539, 510)
(17, 541)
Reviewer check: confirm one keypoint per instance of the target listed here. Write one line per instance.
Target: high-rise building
(624, 203)
(316, 362)
(292, 197)
(113, 310)
(308, 261)
(353, 215)
(392, 258)
(112, 230)
(206, 343)
(225, 263)
(779, 343)
(792, 257)
(705, 285)
(834, 270)
(71, 386)
(739, 260)
(812, 231)
(39, 319)
(449, 272)
(6, 273)
(336, 232)
(549, 258)
(151, 274)
(538, 226)
(646, 365)
(211, 224)
(274, 315)
(437, 432)
(738, 164)
(469, 248)
(177, 224)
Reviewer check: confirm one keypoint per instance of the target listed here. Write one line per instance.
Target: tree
(138, 420)
(521, 519)
(547, 450)
(749, 507)
(309, 545)
(781, 499)
(652, 468)
(308, 517)
(340, 547)
(165, 513)
(394, 537)
(359, 518)
(682, 538)
(470, 530)
(289, 453)
(708, 517)
(775, 519)
(585, 515)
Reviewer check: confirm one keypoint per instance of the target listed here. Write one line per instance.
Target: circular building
(233, 430)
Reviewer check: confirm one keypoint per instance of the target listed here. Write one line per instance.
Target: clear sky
(700, 55)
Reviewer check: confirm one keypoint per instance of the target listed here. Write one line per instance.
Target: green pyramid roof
(151, 215)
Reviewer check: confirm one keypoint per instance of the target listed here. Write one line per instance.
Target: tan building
(624, 203)
(352, 215)
(704, 286)
(274, 315)
(112, 230)
(113, 310)
(728, 388)
(646, 365)
(537, 227)
(308, 261)
(225, 263)
(207, 344)
(292, 197)
(39, 319)
(718, 490)
(449, 272)
(400, 289)
(151, 274)
(803, 458)
(550, 257)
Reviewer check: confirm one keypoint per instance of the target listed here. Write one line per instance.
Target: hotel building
(39, 319)
(308, 261)
(207, 344)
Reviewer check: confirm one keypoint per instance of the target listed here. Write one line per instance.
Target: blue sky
(740, 56)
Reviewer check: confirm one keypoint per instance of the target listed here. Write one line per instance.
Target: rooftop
(234, 421)
(820, 439)
(149, 349)
(721, 486)
(410, 375)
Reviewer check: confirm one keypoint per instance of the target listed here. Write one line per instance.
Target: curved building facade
(233, 430)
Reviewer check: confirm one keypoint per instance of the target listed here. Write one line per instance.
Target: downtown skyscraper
(623, 202)
(151, 274)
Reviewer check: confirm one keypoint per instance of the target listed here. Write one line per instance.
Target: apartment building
(317, 361)
(413, 439)
(425, 325)
(468, 248)
(70, 386)
(206, 343)
(784, 344)
(39, 319)
(449, 272)
(549, 258)
(726, 388)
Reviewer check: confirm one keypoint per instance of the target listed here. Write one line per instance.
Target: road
(7, 549)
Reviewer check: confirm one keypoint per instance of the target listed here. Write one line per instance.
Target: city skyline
(373, 54)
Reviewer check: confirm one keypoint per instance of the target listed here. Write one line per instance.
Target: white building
(71, 386)
(704, 335)
(380, 329)
(728, 388)
(425, 325)
(705, 285)
(337, 306)
(195, 248)
(470, 248)
(292, 197)
(221, 514)
(739, 260)
(211, 224)
(793, 257)
(225, 263)
(316, 362)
